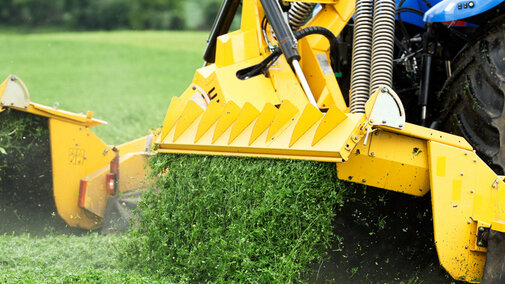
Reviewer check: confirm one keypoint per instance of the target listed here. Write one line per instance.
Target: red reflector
(82, 192)
(110, 181)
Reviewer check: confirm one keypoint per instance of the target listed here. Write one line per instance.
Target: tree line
(109, 14)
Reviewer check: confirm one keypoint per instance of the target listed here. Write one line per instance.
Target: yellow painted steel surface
(464, 191)
(390, 161)
(269, 116)
(283, 132)
(75, 152)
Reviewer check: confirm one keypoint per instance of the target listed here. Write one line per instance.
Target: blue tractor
(449, 69)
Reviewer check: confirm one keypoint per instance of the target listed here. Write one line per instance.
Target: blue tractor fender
(453, 10)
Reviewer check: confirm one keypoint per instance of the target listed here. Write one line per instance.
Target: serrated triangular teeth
(285, 114)
(173, 113)
(210, 116)
(230, 113)
(191, 111)
(247, 115)
(263, 122)
(308, 118)
(331, 119)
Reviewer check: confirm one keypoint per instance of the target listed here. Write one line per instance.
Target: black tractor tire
(472, 99)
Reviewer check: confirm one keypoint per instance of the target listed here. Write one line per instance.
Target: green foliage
(109, 14)
(126, 78)
(26, 196)
(89, 258)
(234, 219)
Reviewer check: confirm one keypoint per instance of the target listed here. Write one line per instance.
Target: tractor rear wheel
(473, 97)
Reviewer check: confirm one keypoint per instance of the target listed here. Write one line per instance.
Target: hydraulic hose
(382, 44)
(361, 56)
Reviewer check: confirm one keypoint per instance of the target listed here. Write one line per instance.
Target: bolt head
(466, 247)
(384, 89)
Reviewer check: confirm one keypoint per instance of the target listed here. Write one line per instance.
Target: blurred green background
(108, 14)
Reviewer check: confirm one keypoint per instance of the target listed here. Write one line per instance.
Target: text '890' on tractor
(315, 80)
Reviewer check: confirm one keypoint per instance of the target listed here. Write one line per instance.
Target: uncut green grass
(90, 258)
(127, 78)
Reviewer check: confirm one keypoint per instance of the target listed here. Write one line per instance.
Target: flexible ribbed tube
(382, 44)
(299, 13)
(361, 56)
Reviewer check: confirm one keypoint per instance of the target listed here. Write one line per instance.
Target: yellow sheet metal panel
(76, 152)
(236, 46)
(228, 116)
(464, 191)
(335, 145)
(286, 113)
(133, 170)
(432, 135)
(308, 118)
(263, 122)
(173, 113)
(245, 117)
(210, 116)
(95, 197)
(333, 117)
(389, 161)
(191, 111)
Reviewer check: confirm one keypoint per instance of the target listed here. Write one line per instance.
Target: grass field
(126, 78)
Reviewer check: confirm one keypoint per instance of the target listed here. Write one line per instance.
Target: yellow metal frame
(77, 153)
(271, 117)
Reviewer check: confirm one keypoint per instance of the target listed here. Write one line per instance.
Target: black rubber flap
(494, 270)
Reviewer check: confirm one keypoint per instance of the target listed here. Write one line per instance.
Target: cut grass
(229, 219)
(89, 258)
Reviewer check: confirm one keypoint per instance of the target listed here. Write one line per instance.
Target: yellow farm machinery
(347, 82)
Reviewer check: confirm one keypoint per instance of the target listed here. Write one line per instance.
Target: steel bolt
(472, 191)
(194, 88)
(356, 137)
(475, 160)
(384, 89)
(372, 154)
(384, 121)
(466, 247)
(462, 174)
(363, 180)
(468, 222)
(481, 229)
(466, 153)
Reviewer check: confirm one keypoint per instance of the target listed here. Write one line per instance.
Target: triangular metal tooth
(331, 119)
(174, 111)
(191, 111)
(285, 114)
(247, 115)
(229, 114)
(308, 118)
(263, 122)
(210, 116)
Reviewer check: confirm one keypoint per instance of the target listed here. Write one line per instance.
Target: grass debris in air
(234, 219)
(26, 194)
